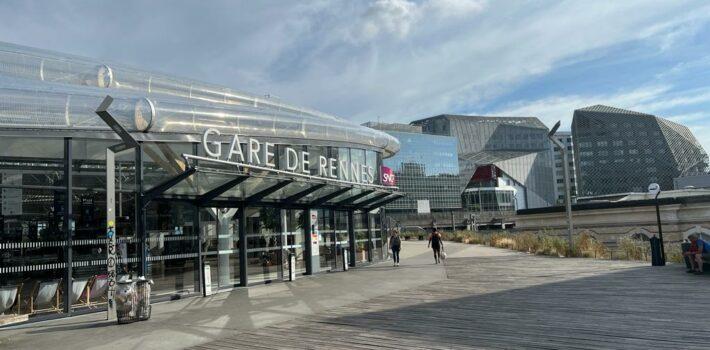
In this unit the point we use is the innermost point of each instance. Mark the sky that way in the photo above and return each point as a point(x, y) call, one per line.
point(402, 60)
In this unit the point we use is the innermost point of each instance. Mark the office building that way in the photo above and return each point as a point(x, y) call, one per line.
point(499, 156)
point(565, 137)
point(618, 151)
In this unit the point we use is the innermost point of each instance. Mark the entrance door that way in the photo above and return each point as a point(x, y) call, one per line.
point(342, 241)
point(292, 223)
point(220, 246)
point(264, 244)
point(326, 240)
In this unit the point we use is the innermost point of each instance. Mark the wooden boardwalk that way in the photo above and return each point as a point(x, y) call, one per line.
point(512, 302)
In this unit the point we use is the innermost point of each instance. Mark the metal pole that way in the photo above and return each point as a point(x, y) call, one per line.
point(660, 230)
point(111, 233)
point(568, 198)
point(140, 218)
point(351, 237)
point(68, 223)
point(243, 279)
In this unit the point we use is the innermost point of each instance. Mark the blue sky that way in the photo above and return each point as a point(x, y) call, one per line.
point(399, 60)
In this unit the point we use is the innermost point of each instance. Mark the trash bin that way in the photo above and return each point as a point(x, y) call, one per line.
point(133, 300)
point(657, 258)
point(143, 307)
point(126, 301)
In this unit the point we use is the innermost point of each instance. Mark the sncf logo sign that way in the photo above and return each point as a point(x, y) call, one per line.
point(387, 176)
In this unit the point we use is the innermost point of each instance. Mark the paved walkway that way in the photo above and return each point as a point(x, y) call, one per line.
point(483, 298)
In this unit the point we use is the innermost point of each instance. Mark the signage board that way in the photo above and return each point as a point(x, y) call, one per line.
point(208, 280)
point(296, 160)
point(315, 234)
point(388, 178)
point(423, 206)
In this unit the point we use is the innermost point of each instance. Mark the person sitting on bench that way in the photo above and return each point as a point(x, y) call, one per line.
point(699, 249)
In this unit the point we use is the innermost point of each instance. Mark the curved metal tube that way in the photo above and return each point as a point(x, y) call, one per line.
point(172, 104)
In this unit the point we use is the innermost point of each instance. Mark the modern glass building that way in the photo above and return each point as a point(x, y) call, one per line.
point(426, 169)
point(181, 173)
point(619, 151)
point(516, 146)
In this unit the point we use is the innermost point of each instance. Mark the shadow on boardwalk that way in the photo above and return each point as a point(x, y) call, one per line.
point(522, 302)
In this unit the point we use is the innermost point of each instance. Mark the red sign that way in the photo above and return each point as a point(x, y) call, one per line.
point(387, 176)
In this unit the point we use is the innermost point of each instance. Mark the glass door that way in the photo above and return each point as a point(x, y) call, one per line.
point(264, 244)
point(342, 241)
point(326, 240)
point(220, 246)
point(293, 238)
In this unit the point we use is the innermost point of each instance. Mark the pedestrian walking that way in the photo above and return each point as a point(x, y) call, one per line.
point(436, 244)
point(395, 246)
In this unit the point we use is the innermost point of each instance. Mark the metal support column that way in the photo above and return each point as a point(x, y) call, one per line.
point(308, 242)
point(197, 231)
point(370, 244)
point(140, 217)
point(351, 237)
point(199, 271)
point(68, 223)
point(243, 280)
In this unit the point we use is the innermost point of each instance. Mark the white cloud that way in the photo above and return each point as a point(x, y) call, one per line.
point(397, 59)
point(396, 17)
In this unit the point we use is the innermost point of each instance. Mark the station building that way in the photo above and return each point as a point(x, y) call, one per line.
point(186, 174)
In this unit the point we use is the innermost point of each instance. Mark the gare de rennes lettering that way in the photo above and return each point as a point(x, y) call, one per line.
point(263, 154)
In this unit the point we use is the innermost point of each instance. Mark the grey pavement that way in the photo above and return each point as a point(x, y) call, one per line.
point(192, 321)
point(481, 298)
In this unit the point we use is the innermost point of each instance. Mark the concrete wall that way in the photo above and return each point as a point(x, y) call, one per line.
point(609, 224)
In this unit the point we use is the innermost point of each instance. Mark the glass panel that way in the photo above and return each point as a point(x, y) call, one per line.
point(326, 239)
point(427, 167)
point(293, 237)
point(162, 161)
point(221, 245)
point(32, 232)
point(341, 235)
point(264, 256)
point(171, 247)
point(362, 242)
point(377, 238)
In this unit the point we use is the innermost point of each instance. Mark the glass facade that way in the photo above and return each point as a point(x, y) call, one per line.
point(426, 168)
point(489, 199)
point(620, 151)
point(180, 205)
point(179, 237)
point(517, 145)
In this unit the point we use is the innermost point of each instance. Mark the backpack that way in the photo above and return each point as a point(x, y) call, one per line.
point(396, 241)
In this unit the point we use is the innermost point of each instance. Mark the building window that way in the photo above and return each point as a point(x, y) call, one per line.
point(618, 143)
point(601, 143)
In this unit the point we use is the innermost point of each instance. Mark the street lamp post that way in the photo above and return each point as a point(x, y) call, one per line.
point(568, 198)
point(655, 189)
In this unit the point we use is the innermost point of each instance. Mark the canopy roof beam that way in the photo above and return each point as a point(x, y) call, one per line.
point(295, 197)
point(385, 202)
point(366, 203)
point(219, 190)
point(166, 185)
point(352, 199)
point(256, 197)
point(322, 200)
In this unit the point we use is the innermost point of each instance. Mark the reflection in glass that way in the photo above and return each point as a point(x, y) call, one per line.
point(426, 168)
point(264, 256)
